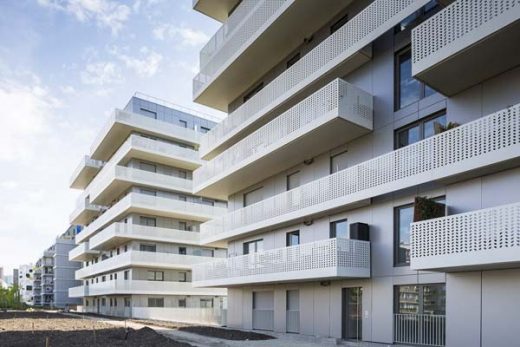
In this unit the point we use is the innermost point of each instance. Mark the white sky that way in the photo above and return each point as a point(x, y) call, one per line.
point(64, 66)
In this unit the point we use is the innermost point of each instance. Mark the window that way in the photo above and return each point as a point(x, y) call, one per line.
point(28, 287)
point(115, 302)
point(148, 192)
point(110, 302)
point(253, 91)
point(338, 162)
point(147, 248)
point(403, 217)
point(148, 113)
point(420, 130)
point(293, 60)
point(182, 302)
point(148, 221)
point(293, 238)
point(127, 302)
point(339, 228)
point(253, 197)
point(155, 302)
point(253, 246)
point(103, 278)
point(204, 129)
point(183, 277)
point(126, 275)
point(208, 202)
point(86, 303)
point(155, 275)
point(147, 167)
point(182, 250)
point(420, 299)
point(182, 174)
point(115, 276)
point(408, 89)
point(206, 303)
point(293, 180)
point(182, 197)
point(111, 277)
point(117, 251)
point(183, 226)
point(338, 24)
point(183, 123)
point(103, 301)
point(126, 248)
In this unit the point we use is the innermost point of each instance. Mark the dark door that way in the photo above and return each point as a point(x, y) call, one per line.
point(352, 313)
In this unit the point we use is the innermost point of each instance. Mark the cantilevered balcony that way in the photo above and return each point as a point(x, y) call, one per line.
point(466, 43)
point(477, 240)
point(134, 258)
point(218, 10)
point(152, 205)
point(115, 180)
point(85, 211)
point(122, 124)
point(339, 54)
point(259, 34)
point(82, 252)
point(480, 147)
point(119, 233)
point(336, 113)
point(127, 287)
point(85, 172)
point(320, 260)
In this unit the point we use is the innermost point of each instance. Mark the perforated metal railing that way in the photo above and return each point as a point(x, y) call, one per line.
point(354, 103)
point(459, 20)
point(494, 132)
point(369, 24)
point(318, 255)
point(243, 22)
point(483, 230)
point(247, 21)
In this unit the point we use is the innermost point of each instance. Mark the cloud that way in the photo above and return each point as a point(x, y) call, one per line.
point(101, 74)
point(186, 36)
point(105, 13)
point(147, 65)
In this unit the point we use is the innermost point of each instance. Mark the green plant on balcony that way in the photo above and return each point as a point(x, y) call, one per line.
point(449, 126)
point(426, 208)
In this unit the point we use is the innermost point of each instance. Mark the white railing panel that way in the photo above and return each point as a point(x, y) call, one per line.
point(495, 132)
point(346, 41)
point(194, 315)
point(420, 329)
point(337, 96)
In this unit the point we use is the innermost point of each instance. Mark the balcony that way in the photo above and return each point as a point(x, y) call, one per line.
point(336, 113)
point(476, 148)
point(115, 180)
point(450, 49)
point(119, 233)
point(134, 258)
point(320, 260)
point(85, 172)
point(478, 240)
point(122, 124)
point(82, 252)
point(152, 205)
point(85, 211)
point(339, 54)
point(122, 287)
point(217, 10)
point(259, 34)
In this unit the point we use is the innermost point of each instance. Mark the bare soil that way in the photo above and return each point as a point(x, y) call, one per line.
point(28, 329)
point(227, 334)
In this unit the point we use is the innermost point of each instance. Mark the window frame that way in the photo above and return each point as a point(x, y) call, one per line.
point(332, 230)
point(288, 179)
point(244, 196)
point(155, 277)
point(288, 237)
point(419, 123)
point(245, 246)
point(143, 246)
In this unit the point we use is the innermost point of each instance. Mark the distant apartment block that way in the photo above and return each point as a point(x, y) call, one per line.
point(26, 279)
point(371, 162)
point(141, 219)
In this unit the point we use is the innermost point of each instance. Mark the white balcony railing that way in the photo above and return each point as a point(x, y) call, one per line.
point(139, 258)
point(84, 207)
point(163, 148)
point(86, 162)
point(420, 329)
point(142, 232)
point(78, 292)
point(192, 315)
point(144, 287)
point(136, 176)
point(478, 238)
point(483, 142)
point(247, 20)
point(336, 257)
point(80, 251)
point(354, 103)
point(373, 21)
point(154, 205)
point(458, 26)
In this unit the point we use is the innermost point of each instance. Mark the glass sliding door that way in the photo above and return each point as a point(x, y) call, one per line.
point(352, 313)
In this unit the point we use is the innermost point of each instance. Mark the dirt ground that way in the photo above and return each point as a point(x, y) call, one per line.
point(28, 329)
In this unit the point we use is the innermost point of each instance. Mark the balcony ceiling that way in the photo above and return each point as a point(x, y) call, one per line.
point(216, 9)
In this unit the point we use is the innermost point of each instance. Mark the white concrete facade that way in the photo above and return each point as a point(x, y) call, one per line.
point(449, 279)
point(136, 251)
point(26, 283)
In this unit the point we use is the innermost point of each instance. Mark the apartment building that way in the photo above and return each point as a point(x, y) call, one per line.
point(141, 221)
point(370, 159)
point(43, 288)
point(26, 282)
point(64, 269)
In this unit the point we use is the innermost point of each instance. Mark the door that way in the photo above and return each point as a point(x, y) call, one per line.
point(263, 310)
point(293, 311)
point(352, 313)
